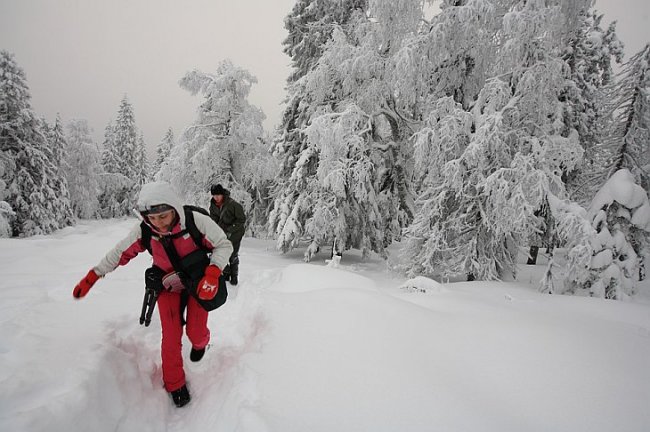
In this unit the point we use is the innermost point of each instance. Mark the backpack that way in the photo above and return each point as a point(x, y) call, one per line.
point(190, 227)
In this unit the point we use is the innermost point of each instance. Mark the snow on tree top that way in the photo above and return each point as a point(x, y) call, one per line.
point(622, 188)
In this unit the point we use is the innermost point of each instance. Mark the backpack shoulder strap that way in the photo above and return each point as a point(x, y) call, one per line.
point(196, 209)
point(190, 225)
point(145, 239)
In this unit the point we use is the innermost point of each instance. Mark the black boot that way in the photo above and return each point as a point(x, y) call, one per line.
point(197, 354)
point(234, 270)
point(181, 397)
point(225, 274)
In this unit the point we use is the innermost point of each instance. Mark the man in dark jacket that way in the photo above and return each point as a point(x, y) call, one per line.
point(230, 216)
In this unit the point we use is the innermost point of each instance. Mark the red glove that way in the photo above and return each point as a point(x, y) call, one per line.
point(85, 284)
point(209, 285)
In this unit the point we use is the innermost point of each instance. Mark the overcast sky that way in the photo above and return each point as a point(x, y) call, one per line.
point(82, 56)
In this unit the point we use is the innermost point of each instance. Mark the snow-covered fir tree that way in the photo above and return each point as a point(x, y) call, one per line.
point(114, 187)
point(57, 144)
point(124, 164)
point(125, 142)
point(310, 24)
point(628, 140)
point(454, 53)
point(35, 192)
point(305, 47)
point(342, 145)
point(55, 149)
point(620, 215)
point(589, 56)
point(110, 158)
point(115, 195)
point(163, 151)
point(83, 169)
point(6, 212)
point(224, 142)
point(141, 163)
point(486, 173)
point(622, 201)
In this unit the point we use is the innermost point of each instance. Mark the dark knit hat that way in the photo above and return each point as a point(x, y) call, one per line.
point(218, 190)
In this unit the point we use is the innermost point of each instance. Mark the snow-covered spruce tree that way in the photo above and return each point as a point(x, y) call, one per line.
point(57, 143)
point(31, 180)
point(82, 165)
point(125, 142)
point(347, 180)
point(114, 186)
point(572, 229)
point(115, 195)
point(163, 151)
point(479, 199)
point(223, 141)
point(628, 140)
point(589, 57)
point(110, 158)
point(6, 213)
point(258, 176)
point(620, 215)
point(141, 163)
point(310, 25)
point(454, 54)
point(55, 148)
point(627, 145)
point(448, 61)
point(123, 164)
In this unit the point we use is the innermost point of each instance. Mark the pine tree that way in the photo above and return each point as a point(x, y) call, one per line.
point(7, 214)
point(453, 55)
point(110, 157)
point(124, 164)
point(35, 192)
point(83, 168)
point(141, 163)
point(628, 141)
point(627, 148)
point(343, 173)
point(503, 163)
point(57, 145)
point(225, 138)
point(589, 57)
point(125, 141)
point(310, 24)
point(163, 151)
point(620, 215)
point(114, 187)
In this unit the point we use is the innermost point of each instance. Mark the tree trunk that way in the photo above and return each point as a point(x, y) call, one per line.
point(532, 255)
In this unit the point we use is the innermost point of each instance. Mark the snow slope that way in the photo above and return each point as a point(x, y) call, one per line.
point(312, 347)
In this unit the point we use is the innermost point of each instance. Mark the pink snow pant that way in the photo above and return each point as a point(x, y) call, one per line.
point(172, 333)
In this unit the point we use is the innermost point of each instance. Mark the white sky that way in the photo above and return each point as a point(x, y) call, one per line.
point(82, 56)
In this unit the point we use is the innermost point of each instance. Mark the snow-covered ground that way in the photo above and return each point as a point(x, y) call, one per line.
point(312, 347)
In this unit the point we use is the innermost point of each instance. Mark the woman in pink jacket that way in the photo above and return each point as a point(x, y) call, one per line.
point(162, 211)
